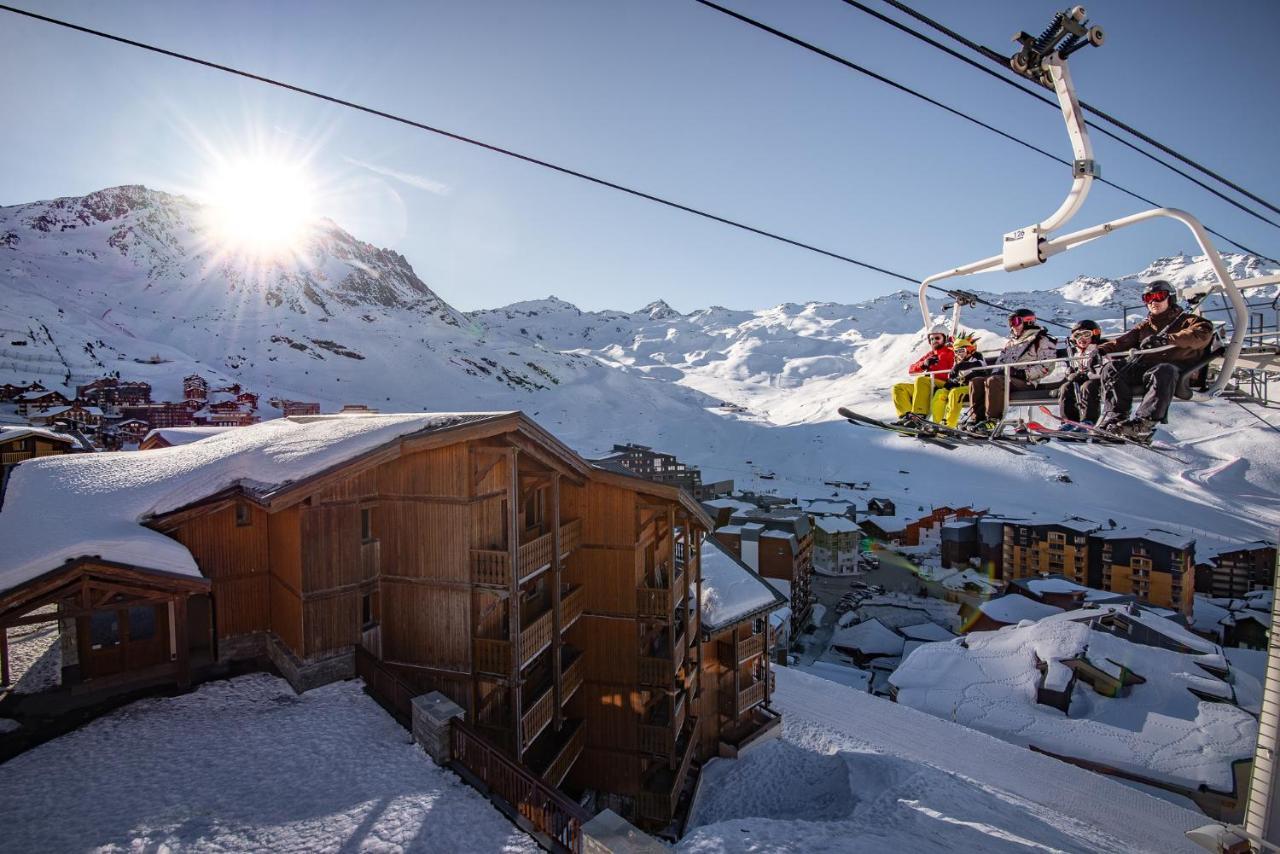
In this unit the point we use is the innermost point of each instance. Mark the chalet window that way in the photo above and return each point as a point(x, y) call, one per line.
point(142, 623)
point(366, 524)
point(366, 611)
point(243, 517)
point(104, 629)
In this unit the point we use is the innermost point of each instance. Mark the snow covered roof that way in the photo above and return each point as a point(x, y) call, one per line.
point(836, 524)
point(1014, 608)
point(1158, 729)
point(1155, 535)
point(9, 434)
point(93, 504)
point(1208, 551)
point(730, 590)
point(892, 523)
point(54, 411)
point(842, 674)
point(728, 503)
point(870, 637)
point(926, 632)
point(186, 435)
point(781, 585)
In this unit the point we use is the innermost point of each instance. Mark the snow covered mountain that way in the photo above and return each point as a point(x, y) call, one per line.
point(129, 279)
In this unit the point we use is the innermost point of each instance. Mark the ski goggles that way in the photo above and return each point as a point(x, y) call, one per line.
point(1155, 296)
point(1082, 335)
point(1017, 320)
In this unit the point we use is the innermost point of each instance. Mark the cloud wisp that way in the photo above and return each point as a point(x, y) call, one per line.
point(421, 182)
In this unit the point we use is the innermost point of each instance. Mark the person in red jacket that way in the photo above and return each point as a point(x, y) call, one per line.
point(912, 400)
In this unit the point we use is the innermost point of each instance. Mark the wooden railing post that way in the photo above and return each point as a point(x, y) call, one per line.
point(513, 601)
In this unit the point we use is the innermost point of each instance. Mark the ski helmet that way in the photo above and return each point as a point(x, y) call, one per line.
point(966, 341)
point(940, 329)
point(1158, 288)
point(1022, 317)
point(1087, 326)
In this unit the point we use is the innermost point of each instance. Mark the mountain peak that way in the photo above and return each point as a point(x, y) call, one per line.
point(659, 310)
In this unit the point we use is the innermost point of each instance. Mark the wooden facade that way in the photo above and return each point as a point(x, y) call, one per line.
point(554, 601)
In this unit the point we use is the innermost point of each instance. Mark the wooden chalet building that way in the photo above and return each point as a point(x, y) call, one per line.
point(81, 415)
point(18, 443)
point(39, 400)
point(10, 391)
point(471, 554)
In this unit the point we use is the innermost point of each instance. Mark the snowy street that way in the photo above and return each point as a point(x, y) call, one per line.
point(245, 765)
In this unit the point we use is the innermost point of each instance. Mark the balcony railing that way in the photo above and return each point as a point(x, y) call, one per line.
point(535, 554)
point(492, 656)
point(660, 672)
point(490, 567)
point(571, 675)
point(735, 705)
point(536, 636)
point(750, 647)
point(661, 793)
point(571, 604)
point(538, 716)
point(563, 761)
point(653, 602)
point(570, 536)
point(659, 740)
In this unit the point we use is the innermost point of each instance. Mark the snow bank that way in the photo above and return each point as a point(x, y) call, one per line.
point(1015, 607)
point(1158, 728)
point(856, 773)
point(245, 765)
point(92, 504)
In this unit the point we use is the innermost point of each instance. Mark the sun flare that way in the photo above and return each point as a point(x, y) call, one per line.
point(261, 206)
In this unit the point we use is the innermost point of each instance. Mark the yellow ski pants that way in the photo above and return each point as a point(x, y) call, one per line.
point(914, 396)
point(949, 404)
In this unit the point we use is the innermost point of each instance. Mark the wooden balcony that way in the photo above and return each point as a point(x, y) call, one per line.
point(564, 759)
point(658, 672)
point(750, 648)
point(744, 701)
point(490, 567)
point(653, 602)
point(538, 715)
point(536, 636)
point(660, 794)
point(658, 734)
point(535, 555)
point(571, 604)
point(492, 656)
point(570, 537)
point(571, 672)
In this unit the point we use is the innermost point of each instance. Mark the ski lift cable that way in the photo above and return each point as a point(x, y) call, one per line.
point(969, 296)
point(826, 54)
point(1003, 62)
point(564, 170)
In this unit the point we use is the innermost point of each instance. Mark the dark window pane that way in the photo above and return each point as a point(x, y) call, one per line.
point(142, 623)
point(104, 629)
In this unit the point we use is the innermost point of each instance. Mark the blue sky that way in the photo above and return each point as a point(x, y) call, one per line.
point(669, 97)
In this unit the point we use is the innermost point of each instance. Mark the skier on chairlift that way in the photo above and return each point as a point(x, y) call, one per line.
point(1154, 374)
point(1080, 395)
point(949, 400)
point(1027, 342)
point(912, 400)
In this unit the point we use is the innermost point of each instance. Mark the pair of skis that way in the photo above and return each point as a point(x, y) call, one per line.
point(937, 434)
point(1089, 432)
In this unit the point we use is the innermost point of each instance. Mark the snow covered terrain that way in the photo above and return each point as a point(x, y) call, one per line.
point(245, 765)
point(108, 281)
point(1157, 728)
point(853, 772)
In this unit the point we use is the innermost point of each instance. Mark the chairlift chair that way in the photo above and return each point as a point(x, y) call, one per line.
point(1043, 59)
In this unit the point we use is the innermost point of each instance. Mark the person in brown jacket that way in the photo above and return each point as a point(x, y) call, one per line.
point(1185, 335)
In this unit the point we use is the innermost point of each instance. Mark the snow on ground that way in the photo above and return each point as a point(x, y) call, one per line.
point(853, 772)
point(35, 657)
point(245, 765)
point(1157, 728)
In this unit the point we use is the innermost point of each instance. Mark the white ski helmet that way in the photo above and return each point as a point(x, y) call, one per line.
point(941, 329)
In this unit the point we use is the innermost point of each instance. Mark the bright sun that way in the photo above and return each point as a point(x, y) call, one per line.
point(261, 206)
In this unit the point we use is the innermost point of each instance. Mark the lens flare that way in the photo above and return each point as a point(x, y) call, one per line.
point(263, 207)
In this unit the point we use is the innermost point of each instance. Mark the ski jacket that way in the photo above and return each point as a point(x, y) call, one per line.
point(1032, 344)
point(1187, 333)
point(937, 361)
point(962, 371)
point(1087, 361)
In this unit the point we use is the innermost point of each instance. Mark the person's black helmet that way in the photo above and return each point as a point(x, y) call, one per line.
point(1160, 286)
point(1087, 324)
